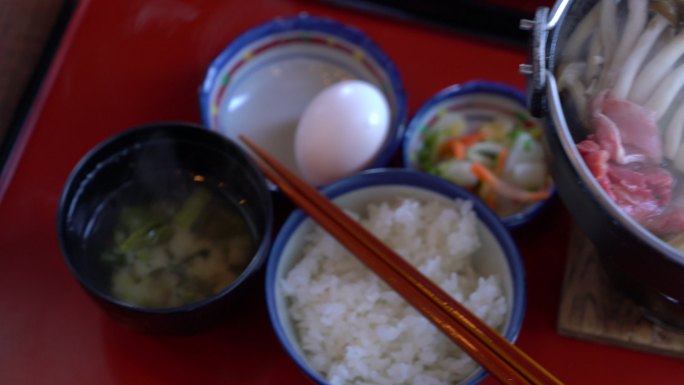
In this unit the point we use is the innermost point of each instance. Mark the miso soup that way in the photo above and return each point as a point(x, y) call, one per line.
point(170, 242)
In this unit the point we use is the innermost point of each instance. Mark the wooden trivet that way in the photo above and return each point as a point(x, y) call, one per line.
point(591, 309)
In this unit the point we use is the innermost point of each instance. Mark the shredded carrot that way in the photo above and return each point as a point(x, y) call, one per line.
point(459, 150)
point(489, 196)
point(472, 138)
point(501, 162)
point(464, 141)
point(505, 189)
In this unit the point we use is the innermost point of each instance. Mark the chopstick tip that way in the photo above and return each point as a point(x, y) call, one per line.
point(249, 143)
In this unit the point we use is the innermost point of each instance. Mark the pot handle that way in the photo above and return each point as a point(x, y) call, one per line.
point(535, 69)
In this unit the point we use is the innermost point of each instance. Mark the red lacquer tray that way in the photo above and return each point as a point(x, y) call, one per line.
point(124, 63)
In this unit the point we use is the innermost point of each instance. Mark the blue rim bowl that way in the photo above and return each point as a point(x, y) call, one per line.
point(247, 88)
point(424, 185)
point(451, 96)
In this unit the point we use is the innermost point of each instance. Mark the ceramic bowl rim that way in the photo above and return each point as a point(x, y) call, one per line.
point(464, 89)
point(394, 176)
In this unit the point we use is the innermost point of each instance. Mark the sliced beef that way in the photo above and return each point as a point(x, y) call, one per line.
point(668, 222)
point(642, 190)
point(596, 158)
point(627, 131)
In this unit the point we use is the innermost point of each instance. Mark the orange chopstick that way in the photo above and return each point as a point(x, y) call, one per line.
point(502, 359)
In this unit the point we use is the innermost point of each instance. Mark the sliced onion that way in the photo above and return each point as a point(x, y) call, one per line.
point(458, 171)
point(529, 175)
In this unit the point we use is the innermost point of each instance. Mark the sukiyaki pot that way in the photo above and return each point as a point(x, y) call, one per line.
point(613, 91)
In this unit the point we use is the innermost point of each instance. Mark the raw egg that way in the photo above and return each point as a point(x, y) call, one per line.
point(341, 131)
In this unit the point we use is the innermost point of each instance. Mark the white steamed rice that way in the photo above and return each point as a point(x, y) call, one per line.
point(354, 329)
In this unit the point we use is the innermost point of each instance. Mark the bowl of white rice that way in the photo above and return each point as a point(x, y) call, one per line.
point(342, 325)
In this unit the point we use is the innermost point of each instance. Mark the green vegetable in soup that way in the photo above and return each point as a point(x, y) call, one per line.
point(169, 253)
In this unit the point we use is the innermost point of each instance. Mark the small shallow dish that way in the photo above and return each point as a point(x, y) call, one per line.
point(465, 109)
point(146, 165)
point(260, 85)
point(497, 254)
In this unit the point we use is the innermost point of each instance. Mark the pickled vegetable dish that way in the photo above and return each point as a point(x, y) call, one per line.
point(500, 159)
point(175, 250)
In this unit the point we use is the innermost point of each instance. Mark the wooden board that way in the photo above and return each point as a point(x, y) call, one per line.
point(591, 309)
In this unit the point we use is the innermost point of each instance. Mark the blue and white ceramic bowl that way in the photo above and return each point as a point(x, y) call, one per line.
point(477, 102)
point(498, 254)
point(260, 85)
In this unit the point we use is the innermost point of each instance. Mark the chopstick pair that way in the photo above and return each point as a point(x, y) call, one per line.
point(502, 359)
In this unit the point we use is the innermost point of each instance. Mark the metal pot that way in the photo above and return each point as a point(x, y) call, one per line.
point(641, 265)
